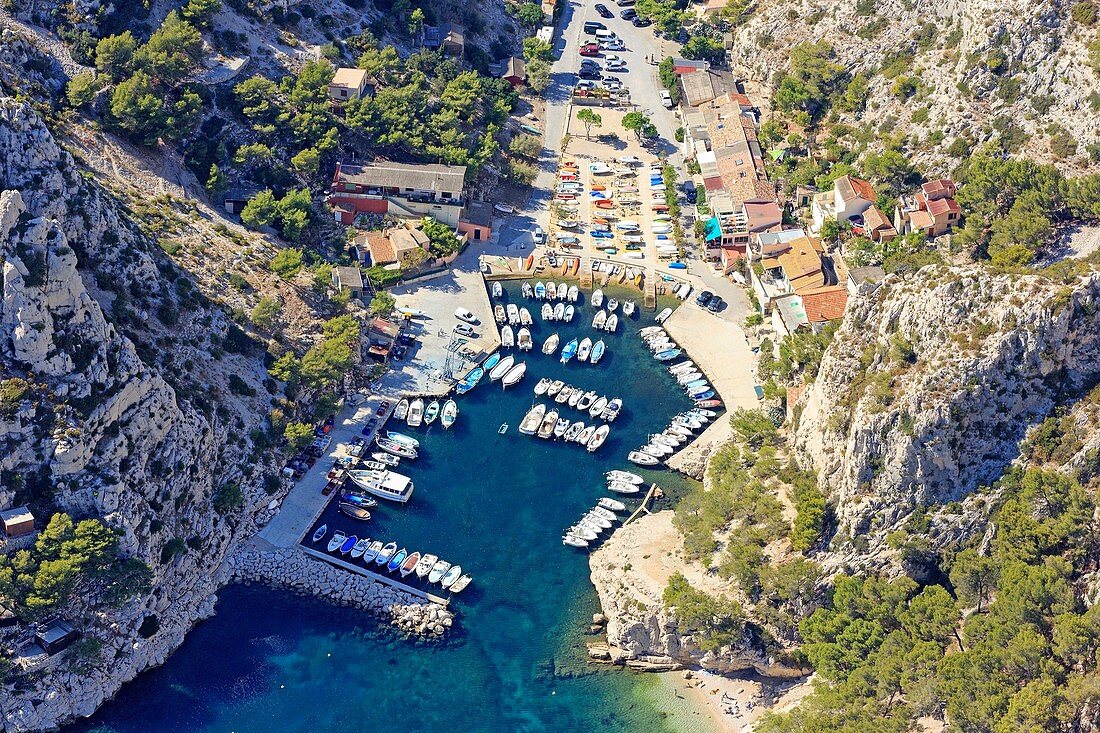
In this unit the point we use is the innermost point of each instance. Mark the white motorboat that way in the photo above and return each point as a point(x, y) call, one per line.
point(586, 400)
point(523, 340)
point(573, 293)
point(551, 344)
point(402, 410)
point(583, 532)
point(450, 414)
point(599, 320)
point(416, 413)
point(663, 439)
point(548, 423)
point(598, 350)
point(597, 407)
point(431, 412)
point(620, 487)
point(542, 386)
point(683, 366)
point(612, 323)
point(551, 291)
point(597, 298)
point(586, 435)
point(642, 459)
point(628, 308)
point(584, 349)
point(337, 540)
point(438, 571)
point(647, 330)
point(498, 290)
point(384, 484)
point(573, 431)
point(612, 504)
point(427, 562)
point(559, 312)
point(547, 312)
point(570, 311)
point(386, 458)
point(687, 422)
point(596, 519)
point(555, 387)
point(663, 315)
point(598, 438)
point(624, 476)
point(514, 375)
point(611, 412)
point(502, 367)
point(526, 290)
point(461, 583)
point(605, 513)
point(513, 314)
point(657, 449)
point(688, 377)
point(612, 304)
point(564, 395)
point(575, 397)
point(498, 314)
point(525, 317)
point(372, 552)
point(560, 428)
point(507, 337)
point(680, 430)
point(574, 541)
point(704, 412)
point(453, 573)
point(532, 420)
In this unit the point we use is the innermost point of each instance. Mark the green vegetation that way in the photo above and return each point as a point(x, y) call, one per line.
point(718, 622)
point(640, 124)
point(382, 304)
point(13, 391)
point(443, 239)
point(298, 435)
point(799, 356)
point(287, 263)
point(589, 119)
point(266, 314)
point(228, 498)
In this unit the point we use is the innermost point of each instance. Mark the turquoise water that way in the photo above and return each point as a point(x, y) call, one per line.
point(496, 504)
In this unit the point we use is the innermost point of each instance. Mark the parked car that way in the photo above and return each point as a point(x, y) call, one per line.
point(590, 64)
point(585, 85)
point(612, 85)
point(591, 26)
point(589, 73)
point(641, 22)
point(666, 99)
point(715, 304)
point(464, 315)
point(603, 11)
point(539, 235)
point(616, 66)
point(613, 45)
point(629, 14)
point(463, 330)
point(703, 298)
point(590, 49)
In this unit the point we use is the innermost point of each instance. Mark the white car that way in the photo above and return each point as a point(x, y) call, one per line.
point(463, 330)
point(464, 315)
point(613, 45)
point(585, 84)
point(539, 235)
point(615, 66)
point(612, 85)
point(666, 99)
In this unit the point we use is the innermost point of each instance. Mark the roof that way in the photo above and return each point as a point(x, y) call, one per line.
point(379, 246)
point(55, 631)
point(679, 63)
point(921, 219)
point(700, 88)
point(802, 264)
point(423, 177)
point(825, 304)
point(851, 187)
point(867, 274)
point(403, 240)
point(762, 214)
point(349, 277)
point(942, 206)
point(388, 328)
point(345, 77)
point(785, 236)
point(939, 188)
point(16, 515)
point(513, 66)
point(791, 311)
point(478, 213)
point(875, 219)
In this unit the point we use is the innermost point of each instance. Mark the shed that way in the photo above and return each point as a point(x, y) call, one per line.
point(350, 278)
point(17, 521)
point(55, 636)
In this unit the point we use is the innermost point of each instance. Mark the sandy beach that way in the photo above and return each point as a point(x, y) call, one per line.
point(727, 704)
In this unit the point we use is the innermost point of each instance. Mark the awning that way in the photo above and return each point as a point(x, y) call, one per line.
point(713, 230)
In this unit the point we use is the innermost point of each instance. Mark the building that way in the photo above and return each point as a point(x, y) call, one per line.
point(789, 266)
point(348, 278)
point(381, 333)
point(876, 226)
point(932, 211)
point(858, 276)
point(398, 189)
point(392, 248)
point(447, 38)
point(348, 84)
point(803, 195)
point(237, 198)
point(17, 522)
point(476, 221)
point(850, 196)
point(812, 309)
point(688, 66)
point(55, 636)
point(709, 85)
point(512, 70)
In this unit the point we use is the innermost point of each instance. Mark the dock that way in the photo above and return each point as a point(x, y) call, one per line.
point(654, 491)
point(360, 570)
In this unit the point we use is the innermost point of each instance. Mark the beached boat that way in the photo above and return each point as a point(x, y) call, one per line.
point(348, 509)
point(540, 290)
point(565, 394)
point(523, 340)
point(525, 317)
point(359, 548)
point(513, 314)
point(425, 565)
point(663, 315)
point(548, 423)
point(449, 414)
point(460, 585)
point(397, 560)
point(416, 413)
point(597, 407)
point(642, 459)
point(438, 571)
point(597, 352)
point(584, 349)
point(320, 532)
point(667, 354)
point(526, 290)
point(349, 543)
point(498, 289)
point(547, 312)
point(470, 380)
point(559, 312)
point(551, 344)
point(612, 323)
point(598, 438)
point(555, 387)
point(560, 427)
point(624, 476)
point(597, 298)
point(573, 293)
point(611, 504)
point(542, 386)
point(502, 368)
point(372, 552)
point(599, 320)
point(514, 375)
point(402, 410)
point(569, 312)
point(569, 351)
point(503, 209)
point(431, 412)
point(532, 420)
point(507, 337)
point(620, 487)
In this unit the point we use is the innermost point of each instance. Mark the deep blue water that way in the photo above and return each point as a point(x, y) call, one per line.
point(497, 504)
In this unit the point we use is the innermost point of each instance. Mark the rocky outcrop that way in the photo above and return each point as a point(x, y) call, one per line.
point(930, 384)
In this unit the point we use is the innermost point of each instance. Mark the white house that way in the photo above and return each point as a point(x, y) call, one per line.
point(850, 196)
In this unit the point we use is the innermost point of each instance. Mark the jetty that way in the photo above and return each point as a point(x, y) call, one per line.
point(653, 493)
point(360, 570)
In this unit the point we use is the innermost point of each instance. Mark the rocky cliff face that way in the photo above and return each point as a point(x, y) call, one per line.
point(931, 383)
point(1038, 55)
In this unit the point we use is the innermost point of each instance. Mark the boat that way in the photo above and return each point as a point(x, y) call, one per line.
point(498, 290)
point(570, 311)
point(624, 476)
point(668, 354)
point(551, 291)
point(575, 397)
point(491, 361)
point(514, 375)
point(397, 560)
point(358, 498)
point(438, 570)
point(680, 430)
point(657, 449)
point(402, 439)
point(507, 338)
point(597, 352)
point(688, 377)
point(628, 308)
point(560, 427)
point(573, 293)
point(320, 532)
point(672, 441)
point(555, 387)
point(432, 412)
point(612, 305)
point(597, 298)
point(470, 380)
point(523, 340)
point(620, 487)
point(385, 485)
point(642, 459)
point(586, 400)
point(410, 564)
point(513, 314)
point(416, 413)
point(709, 403)
point(704, 413)
point(547, 312)
point(586, 435)
point(599, 320)
point(559, 312)
point(450, 414)
point(498, 314)
point(601, 517)
point(540, 290)
point(424, 566)
point(663, 315)
point(704, 397)
point(611, 504)
point(565, 393)
point(542, 386)
point(532, 420)
point(526, 290)
point(573, 431)
point(396, 449)
point(460, 584)
point(574, 541)
point(598, 438)
point(688, 422)
point(502, 368)
point(386, 458)
point(597, 407)
point(372, 552)
point(580, 532)
point(696, 384)
point(385, 553)
point(649, 330)
point(359, 548)
point(349, 543)
point(551, 344)
point(525, 317)
point(350, 509)
point(503, 209)
point(402, 410)
point(682, 366)
point(569, 351)
point(612, 323)
point(584, 349)
point(548, 423)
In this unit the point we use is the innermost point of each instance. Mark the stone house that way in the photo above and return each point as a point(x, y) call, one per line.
point(876, 226)
point(17, 522)
point(55, 636)
point(348, 84)
point(348, 278)
point(931, 211)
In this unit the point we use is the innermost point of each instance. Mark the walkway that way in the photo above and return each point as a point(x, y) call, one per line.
point(360, 570)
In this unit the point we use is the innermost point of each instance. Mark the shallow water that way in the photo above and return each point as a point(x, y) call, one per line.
point(496, 504)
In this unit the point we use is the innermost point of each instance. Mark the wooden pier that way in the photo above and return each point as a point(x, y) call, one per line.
point(654, 491)
point(374, 576)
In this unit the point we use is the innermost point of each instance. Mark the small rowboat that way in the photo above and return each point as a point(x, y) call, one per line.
point(598, 187)
point(504, 208)
point(604, 204)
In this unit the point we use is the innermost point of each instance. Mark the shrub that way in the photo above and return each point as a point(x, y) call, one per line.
point(287, 263)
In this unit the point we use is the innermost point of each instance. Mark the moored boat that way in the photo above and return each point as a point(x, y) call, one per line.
point(551, 344)
point(525, 289)
point(551, 291)
point(612, 304)
point(397, 449)
point(540, 290)
point(555, 387)
point(386, 458)
point(514, 375)
point(559, 312)
point(498, 289)
point(597, 298)
point(584, 349)
point(565, 394)
point(425, 564)
point(532, 420)
point(599, 320)
point(431, 412)
point(502, 367)
point(542, 386)
point(586, 435)
point(523, 340)
point(402, 438)
point(438, 570)
point(397, 560)
point(402, 410)
point(513, 314)
point(621, 487)
point(611, 412)
point(668, 354)
point(612, 323)
point(597, 407)
point(547, 312)
point(548, 423)
point(586, 400)
point(349, 509)
point(490, 361)
point(450, 414)
point(385, 553)
point(573, 431)
point(642, 459)
point(372, 552)
point(570, 311)
point(569, 351)
point(611, 504)
point(507, 338)
point(573, 293)
point(470, 380)
point(573, 540)
point(560, 427)
point(597, 352)
point(525, 317)
point(575, 397)
point(388, 485)
point(416, 413)
point(628, 308)
point(349, 543)
point(320, 532)
point(410, 563)
point(624, 476)
point(460, 584)
point(598, 438)
point(337, 541)
point(359, 548)
point(498, 314)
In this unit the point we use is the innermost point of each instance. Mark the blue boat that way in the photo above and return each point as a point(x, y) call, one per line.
point(668, 354)
point(540, 290)
point(696, 383)
point(470, 380)
point(491, 361)
point(396, 560)
point(598, 234)
point(698, 392)
point(704, 396)
point(677, 266)
point(348, 544)
point(569, 351)
point(358, 500)
point(597, 352)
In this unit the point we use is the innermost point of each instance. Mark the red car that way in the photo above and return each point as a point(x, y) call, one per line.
point(590, 49)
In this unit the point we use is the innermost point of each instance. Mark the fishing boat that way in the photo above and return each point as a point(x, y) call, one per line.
point(548, 423)
point(513, 314)
point(349, 543)
point(642, 459)
point(385, 485)
point(612, 304)
point(416, 413)
point(525, 317)
point(551, 291)
point(704, 397)
point(598, 438)
point(569, 312)
point(628, 308)
point(372, 552)
point(555, 387)
point(450, 414)
point(470, 380)
point(559, 312)
point(491, 361)
point(597, 352)
point(573, 431)
point(498, 314)
point(320, 532)
point(542, 386)
point(575, 397)
point(514, 375)
point(397, 560)
point(498, 290)
point(410, 564)
point(438, 570)
point(565, 394)
point(402, 438)
point(597, 298)
point(624, 476)
point(560, 427)
point(402, 410)
point(551, 344)
point(612, 323)
point(507, 338)
point(709, 403)
point(584, 349)
point(620, 487)
point(547, 312)
point(385, 458)
point(502, 368)
point(573, 293)
point(663, 315)
point(385, 553)
point(585, 400)
point(668, 354)
point(359, 548)
point(432, 412)
point(395, 448)
point(597, 407)
point(611, 505)
point(532, 420)
point(569, 351)
point(425, 564)
point(540, 290)
point(586, 435)
point(358, 498)
point(696, 384)
point(526, 290)
point(599, 320)
point(348, 509)
point(460, 584)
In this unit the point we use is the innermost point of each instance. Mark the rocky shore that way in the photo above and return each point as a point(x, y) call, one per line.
point(291, 569)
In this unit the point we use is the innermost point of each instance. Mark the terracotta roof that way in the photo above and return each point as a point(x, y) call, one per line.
point(942, 206)
point(939, 188)
point(762, 214)
point(921, 219)
point(387, 328)
point(793, 393)
point(875, 219)
point(851, 187)
point(380, 248)
point(825, 304)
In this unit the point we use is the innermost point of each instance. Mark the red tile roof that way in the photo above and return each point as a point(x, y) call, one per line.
point(942, 206)
point(862, 188)
point(825, 304)
point(875, 219)
point(939, 188)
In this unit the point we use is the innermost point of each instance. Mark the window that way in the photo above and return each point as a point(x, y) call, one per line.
point(447, 195)
point(951, 216)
